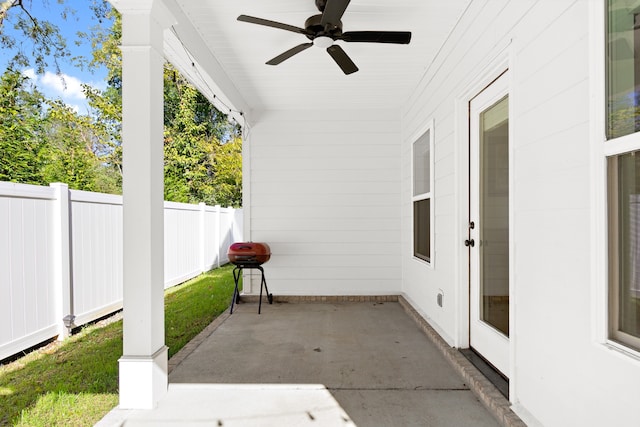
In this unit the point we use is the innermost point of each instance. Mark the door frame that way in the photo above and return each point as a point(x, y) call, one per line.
point(501, 64)
point(489, 343)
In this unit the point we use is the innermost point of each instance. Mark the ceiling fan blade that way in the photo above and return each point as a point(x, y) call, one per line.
point(272, 24)
point(288, 54)
point(398, 37)
point(342, 59)
point(333, 11)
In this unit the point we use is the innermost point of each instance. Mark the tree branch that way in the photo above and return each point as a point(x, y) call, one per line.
point(19, 3)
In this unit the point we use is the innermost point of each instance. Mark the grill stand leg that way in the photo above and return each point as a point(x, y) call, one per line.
point(263, 284)
point(236, 293)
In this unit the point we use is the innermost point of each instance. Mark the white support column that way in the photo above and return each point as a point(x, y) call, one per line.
point(143, 366)
point(62, 260)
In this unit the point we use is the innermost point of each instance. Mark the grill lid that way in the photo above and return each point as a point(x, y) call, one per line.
point(249, 253)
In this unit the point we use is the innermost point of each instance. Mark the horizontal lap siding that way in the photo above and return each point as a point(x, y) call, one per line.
point(325, 195)
point(562, 376)
point(553, 198)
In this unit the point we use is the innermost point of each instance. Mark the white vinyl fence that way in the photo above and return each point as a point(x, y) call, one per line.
point(61, 256)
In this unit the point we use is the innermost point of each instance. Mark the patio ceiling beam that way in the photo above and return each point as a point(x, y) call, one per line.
point(200, 66)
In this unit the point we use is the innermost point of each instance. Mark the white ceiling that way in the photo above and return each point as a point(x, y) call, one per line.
point(234, 53)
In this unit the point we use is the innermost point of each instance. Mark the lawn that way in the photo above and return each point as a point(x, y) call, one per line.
point(75, 382)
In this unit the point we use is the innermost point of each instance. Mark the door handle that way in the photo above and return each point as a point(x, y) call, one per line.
point(469, 242)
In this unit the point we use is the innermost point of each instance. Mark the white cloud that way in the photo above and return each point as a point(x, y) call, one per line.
point(66, 86)
point(30, 73)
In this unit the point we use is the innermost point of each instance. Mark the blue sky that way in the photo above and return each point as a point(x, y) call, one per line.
point(68, 88)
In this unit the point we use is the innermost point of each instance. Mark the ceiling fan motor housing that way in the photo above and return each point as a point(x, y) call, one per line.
point(326, 28)
point(314, 25)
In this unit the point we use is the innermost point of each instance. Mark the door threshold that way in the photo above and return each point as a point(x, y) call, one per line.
point(486, 369)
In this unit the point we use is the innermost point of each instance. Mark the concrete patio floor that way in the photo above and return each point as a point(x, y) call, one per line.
point(322, 364)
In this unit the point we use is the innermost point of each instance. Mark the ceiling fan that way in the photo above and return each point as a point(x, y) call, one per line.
point(324, 29)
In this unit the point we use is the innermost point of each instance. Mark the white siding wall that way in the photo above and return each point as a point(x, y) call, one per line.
point(562, 375)
point(324, 188)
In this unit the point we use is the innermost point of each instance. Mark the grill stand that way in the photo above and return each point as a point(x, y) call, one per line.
point(263, 283)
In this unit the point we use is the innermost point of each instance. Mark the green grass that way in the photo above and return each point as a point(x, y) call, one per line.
point(75, 382)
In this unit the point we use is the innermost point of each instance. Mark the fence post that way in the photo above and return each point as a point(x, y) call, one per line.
point(203, 237)
point(219, 235)
point(62, 259)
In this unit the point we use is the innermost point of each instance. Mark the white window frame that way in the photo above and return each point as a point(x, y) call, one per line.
point(602, 149)
point(429, 127)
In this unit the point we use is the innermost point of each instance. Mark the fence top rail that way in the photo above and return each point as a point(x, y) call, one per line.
point(29, 191)
point(26, 191)
point(198, 207)
point(181, 206)
point(99, 198)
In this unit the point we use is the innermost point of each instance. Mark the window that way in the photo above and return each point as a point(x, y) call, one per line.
point(623, 68)
point(422, 196)
point(623, 169)
point(624, 248)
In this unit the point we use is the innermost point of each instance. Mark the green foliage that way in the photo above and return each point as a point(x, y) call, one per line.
point(42, 383)
point(75, 383)
point(43, 141)
point(190, 307)
point(198, 166)
point(73, 154)
point(21, 126)
point(194, 129)
point(227, 179)
point(41, 39)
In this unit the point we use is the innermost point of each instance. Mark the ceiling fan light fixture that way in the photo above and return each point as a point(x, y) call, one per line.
point(323, 42)
point(324, 29)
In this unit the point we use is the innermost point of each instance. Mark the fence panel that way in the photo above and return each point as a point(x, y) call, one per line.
point(61, 256)
point(27, 282)
point(181, 242)
point(96, 230)
point(226, 233)
point(210, 247)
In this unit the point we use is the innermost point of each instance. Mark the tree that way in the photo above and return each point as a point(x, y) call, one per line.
point(21, 112)
point(74, 152)
point(202, 148)
point(107, 104)
point(43, 140)
point(198, 167)
point(227, 178)
point(38, 40)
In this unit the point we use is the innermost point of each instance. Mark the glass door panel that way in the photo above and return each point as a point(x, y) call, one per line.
point(494, 215)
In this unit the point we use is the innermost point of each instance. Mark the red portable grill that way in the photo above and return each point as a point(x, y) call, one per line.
point(249, 255)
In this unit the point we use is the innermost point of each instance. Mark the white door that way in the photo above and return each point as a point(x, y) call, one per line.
point(488, 239)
